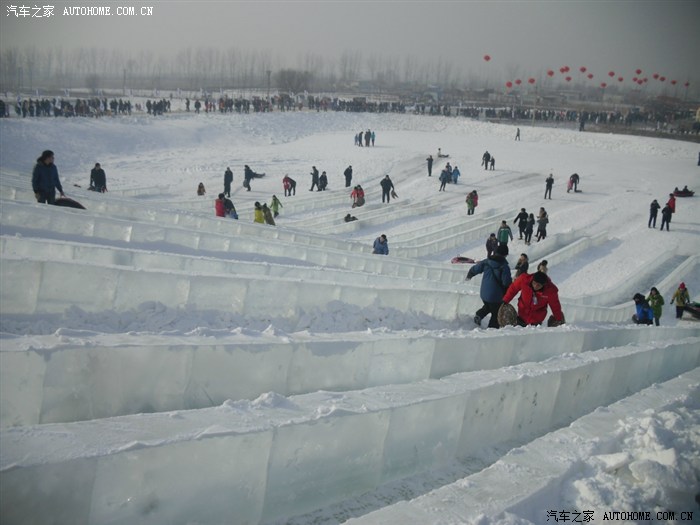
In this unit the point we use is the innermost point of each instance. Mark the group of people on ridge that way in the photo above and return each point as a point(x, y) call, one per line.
point(666, 213)
point(648, 309)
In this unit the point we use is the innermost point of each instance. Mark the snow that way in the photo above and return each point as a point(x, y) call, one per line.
point(162, 365)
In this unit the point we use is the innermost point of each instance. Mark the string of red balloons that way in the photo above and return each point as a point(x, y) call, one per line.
point(583, 69)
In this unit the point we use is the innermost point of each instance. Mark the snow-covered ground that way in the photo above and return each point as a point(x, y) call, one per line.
point(162, 365)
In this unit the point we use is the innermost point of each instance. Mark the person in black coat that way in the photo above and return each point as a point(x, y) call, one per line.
point(314, 179)
point(549, 182)
point(45, 179)
point(387, 186)
point(98, 179)
point(521, 219)
point(430, 165)
point(348, 176)
point(228, 179)
point(666, 215)
point(653, 211)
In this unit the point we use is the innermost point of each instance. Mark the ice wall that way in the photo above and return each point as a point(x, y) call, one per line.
point(280, 456)
point(73, 383)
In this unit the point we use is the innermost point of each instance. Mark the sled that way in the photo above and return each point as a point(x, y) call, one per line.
point(258, 175)
point(507, 316)
point(68, 203)
point(694, 310)
point(462, 260)
point(681, 193)
point(394, 195)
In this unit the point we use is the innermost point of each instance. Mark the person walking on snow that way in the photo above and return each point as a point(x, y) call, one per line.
point(430, 165)
point(653, 211)
point(289, 185)
point(549, 182)
point(666, 214)
point(387, 186)
point(444, 176)
point(258, 215)
point(275, 206)
point(491, 245)
point(348, 176)
point(517, 134)
point(314, 179)
point(681, 297)
point(529, 227)
point(485, 160)
point(494, 283)
point(504, 233)
point(521, 220)
point(672, 202)
point(228, 180)
point(455, 174)
point(656, 301)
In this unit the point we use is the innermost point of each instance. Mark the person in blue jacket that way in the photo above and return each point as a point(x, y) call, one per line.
point(45, 179)
point(381, 246)
point(494, 284)
point(644, 315)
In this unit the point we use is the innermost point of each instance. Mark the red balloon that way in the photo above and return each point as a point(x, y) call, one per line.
point(611, 74)
point(590, 75)
point(518, 81)
point(655, 76)
point(532, 80)
point(673, 82)
point(639, 71)
point(509, 84)
point(686, 84)
point(582, 69)
point(603, 85)
point(662, 79)
point(640, 82)
point(550, 73)
point(568, 79)
point(634, 79)
point(487, 57)
point(620, 79)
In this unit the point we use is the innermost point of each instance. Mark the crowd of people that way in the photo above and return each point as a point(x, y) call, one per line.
point(536, 292)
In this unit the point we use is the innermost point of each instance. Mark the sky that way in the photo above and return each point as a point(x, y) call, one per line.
point(525, 37)
point(222, 329)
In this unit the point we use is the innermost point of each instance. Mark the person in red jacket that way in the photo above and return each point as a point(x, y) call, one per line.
point(537, 293)
point(219, 207)
point(672, 202)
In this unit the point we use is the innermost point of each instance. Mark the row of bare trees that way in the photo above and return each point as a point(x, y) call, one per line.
point(209, 68)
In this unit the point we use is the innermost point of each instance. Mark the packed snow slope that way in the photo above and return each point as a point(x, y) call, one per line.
point(161, 365)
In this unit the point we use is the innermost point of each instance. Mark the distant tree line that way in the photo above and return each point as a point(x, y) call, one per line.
point(209, 68)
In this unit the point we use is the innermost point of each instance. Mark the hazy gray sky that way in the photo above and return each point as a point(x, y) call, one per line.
point(655, 36)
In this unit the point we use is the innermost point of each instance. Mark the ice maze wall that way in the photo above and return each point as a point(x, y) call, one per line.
point(252, 462)
point(74, 383)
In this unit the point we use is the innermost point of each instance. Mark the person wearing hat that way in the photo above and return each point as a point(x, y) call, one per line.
point(681, 297)
point(644, 314)
point(45, 179)
point(537, 294)
point(258, 214)
point(348, 176)
point(495, 281)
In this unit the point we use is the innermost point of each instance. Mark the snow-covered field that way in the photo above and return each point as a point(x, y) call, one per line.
point(161, 365)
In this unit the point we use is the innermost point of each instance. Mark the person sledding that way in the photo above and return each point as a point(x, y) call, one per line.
point(537, 294)
point(644, 314)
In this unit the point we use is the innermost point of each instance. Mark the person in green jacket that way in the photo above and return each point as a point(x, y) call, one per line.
point(656, 301)
point(275, 206)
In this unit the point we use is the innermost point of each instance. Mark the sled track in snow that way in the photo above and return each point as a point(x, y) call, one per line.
point(281, 429)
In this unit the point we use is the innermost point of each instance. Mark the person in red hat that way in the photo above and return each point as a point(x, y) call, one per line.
point(680, 298)
point(537, 294)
